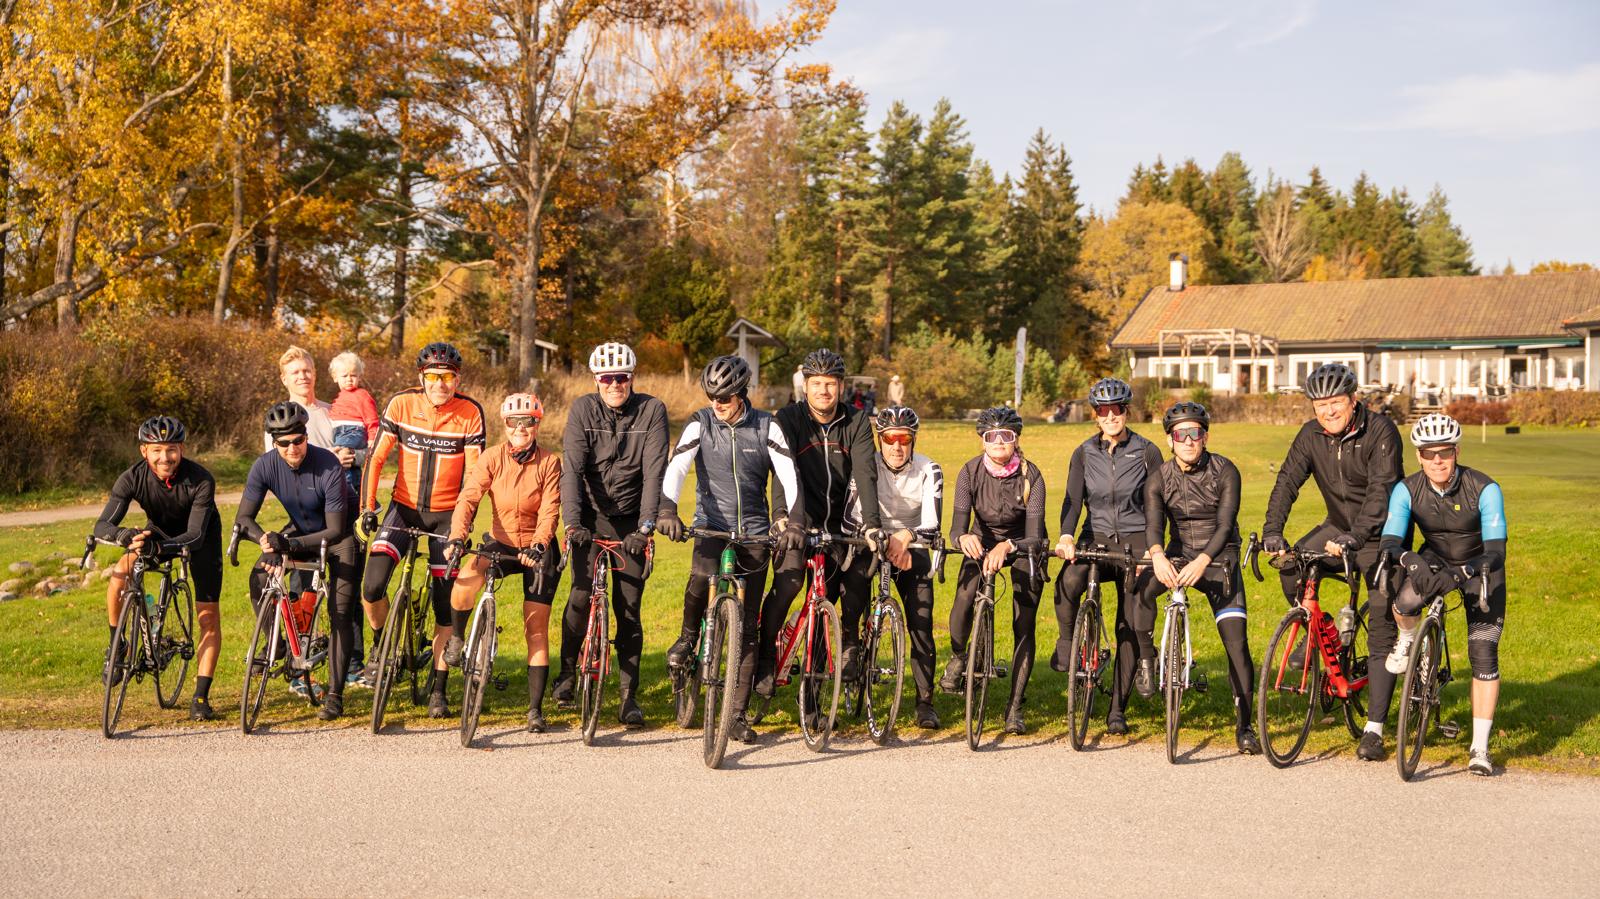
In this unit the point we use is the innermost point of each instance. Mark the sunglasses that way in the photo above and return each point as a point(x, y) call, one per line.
point(1000, 435)
point(1448, 452)
point(724, 399)
point(521, 421)
point(292, 441)
point(1110, 409)
point(614, 379)
point(1188, 435)
point(439, 377)
point(898, 438)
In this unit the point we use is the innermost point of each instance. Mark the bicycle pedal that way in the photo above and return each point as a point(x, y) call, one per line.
point(499, 683)
point(1198, 682)
point(1000, 669)
point(1450, 729)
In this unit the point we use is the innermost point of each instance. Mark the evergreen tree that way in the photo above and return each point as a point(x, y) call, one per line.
point(1445, 250)
point(1045, 229)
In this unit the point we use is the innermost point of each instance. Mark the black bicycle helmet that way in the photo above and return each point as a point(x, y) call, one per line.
point(823, 362)
point(439, 355)
point(999, 418)
point(1182, 412)
point(1109, 391)
point(287, 417)
point(725, 376)
point(1330, 379)
point(891, 418)
point(161, 429)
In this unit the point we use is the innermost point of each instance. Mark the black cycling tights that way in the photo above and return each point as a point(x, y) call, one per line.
point(1025, 590)
point(751, 564)
point(627, 588)
point(915, 586)
point(344, 573)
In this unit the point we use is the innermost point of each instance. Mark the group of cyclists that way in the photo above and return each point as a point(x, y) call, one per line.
point(820, 465)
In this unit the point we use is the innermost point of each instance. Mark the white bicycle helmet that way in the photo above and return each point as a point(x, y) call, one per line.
point(522, 404)
point(1433, 429)
point(611, 358)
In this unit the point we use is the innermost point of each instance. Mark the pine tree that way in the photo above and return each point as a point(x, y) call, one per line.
point(1045, 228)
point(1445, 250)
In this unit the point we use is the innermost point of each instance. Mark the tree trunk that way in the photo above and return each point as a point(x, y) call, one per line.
point(219, 301)
point(270, 275)
point(5, 239)
point(402, 241)
point(888, 311)
point(66, 257)
point(528, 299)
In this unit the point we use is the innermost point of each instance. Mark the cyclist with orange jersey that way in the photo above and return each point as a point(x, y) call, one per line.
point(439, 434)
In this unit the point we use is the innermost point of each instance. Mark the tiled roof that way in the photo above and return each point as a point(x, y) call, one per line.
point(1392, 309)
point(1590, 316)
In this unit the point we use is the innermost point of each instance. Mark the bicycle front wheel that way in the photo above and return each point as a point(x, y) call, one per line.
point(258, 660)
point(121, 661)
point(1087, 668)
point(1353, 659)
point(1174, 671)
point(820, 677)
point(1420, 695)
point(1287, 688)
point(174, 641)
point(592, 667)
point(389, 652)
point(980, 662)
point(476, 665)
point(418, 644)
point(883, 671)
point(719, 669)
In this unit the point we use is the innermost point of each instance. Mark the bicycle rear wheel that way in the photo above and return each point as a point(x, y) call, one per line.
point(1353, 659)
point(1174, 671)
point(258, 660)
point(819, 677)
point(980, 662)
point(720, 668)
point(121, 661)
point(174, 640)
point(686, 691)
point(1419, 696)
point(1286, 697)
point(1086, 671)
point(592, 666)
point(476, 665)
point(389, 652)
point(883, 671)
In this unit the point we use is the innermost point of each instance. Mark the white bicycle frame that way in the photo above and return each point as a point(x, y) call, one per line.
point(1179, 600)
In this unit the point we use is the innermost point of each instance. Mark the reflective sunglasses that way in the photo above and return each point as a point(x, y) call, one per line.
point(1447, 452)
point(1188, 435)
point(1000, 435)
point(292, 441)
point(724, 399)
point(898, 438)
point(1110, 409)
point(439, 377)
point(613, 379)
point(521, 421)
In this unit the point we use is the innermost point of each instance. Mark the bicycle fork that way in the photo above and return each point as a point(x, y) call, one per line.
point(1177, 605)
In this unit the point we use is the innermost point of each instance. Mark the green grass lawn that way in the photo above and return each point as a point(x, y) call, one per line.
point(1549, 715)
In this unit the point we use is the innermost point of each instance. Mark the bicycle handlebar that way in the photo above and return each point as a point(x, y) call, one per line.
point(1293, 557)
point(149, 551)
point(740, 539)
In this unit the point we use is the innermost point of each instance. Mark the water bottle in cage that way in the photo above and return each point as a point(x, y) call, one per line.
point(1347, 625)
point(304, 607)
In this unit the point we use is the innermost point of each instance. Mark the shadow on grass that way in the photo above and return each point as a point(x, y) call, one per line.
point(1537, 717)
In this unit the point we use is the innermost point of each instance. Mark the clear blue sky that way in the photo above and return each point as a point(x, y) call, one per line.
point(1497, 102)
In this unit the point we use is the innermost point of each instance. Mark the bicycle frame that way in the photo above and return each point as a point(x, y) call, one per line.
point(806, 617)
point(599, 594)
point(1177, 604)
point(172, 571)
point(1334, 682)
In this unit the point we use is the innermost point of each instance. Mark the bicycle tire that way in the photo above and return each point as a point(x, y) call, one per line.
point(417, 638)
point(260, 650)
point(122, 657)
point(1174, 673)
point(476, 664)
point(818, 686)
point(1354, 660)
point(389, 654)
point(1084, 671)
point(1419, 696)
point(1284, 731)
point(179, 617)
point(721, 669)
point(592, 666)
point(686, 691)
point(980, 659)
point(883, 671)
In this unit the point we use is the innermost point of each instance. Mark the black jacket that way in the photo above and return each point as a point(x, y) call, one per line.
point(613, 460)
point(1354, 471)
point(996, 509)
point(1110, 485)
point(1202, 504)
point(826, 457)
point(180, 512)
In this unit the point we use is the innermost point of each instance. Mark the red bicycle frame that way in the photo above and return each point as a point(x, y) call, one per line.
point(594, 662)
point(1326, 637)
point(789, 638)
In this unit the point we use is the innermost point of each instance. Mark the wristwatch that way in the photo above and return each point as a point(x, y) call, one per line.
point(647, 527)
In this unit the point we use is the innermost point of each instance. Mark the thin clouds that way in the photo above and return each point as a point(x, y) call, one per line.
point(1254, 25)
point(1300, 14)
point(1516, 104)
point(904, 57)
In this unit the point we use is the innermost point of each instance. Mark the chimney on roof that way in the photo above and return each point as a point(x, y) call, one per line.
point(1178, 271)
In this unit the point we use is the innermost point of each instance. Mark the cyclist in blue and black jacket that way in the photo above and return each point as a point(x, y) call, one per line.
point(1461, 514)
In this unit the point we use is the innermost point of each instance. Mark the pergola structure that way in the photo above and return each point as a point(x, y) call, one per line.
point(1210, 340)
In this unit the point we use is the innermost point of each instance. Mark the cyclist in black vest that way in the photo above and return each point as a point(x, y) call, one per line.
point(1197, 491)
point(1105, 483)
point(1462, 516)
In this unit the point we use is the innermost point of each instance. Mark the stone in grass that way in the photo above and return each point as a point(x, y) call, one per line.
point(88, 578)
point(7, 596)
point(56, 556)
point(11, 586)
point(44, 587)
point(22, 567)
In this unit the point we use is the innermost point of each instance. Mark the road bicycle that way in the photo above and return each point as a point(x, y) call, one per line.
point(1289, 687)
point(407, 644)
point(1427, 671)
point(1175, 665)
point(153, 630)
point(874, 694)
point(982, 666)
point(713, 666)
point(291, 635)
point(1091, 650)
point(813, 632)
point(483, 639)
point(594, 657)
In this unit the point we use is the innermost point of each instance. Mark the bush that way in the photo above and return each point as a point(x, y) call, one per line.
point(1261, 408)
point(1472, 412)
point(1556, 407)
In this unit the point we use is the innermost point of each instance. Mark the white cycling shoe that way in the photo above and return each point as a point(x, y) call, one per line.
point(1395, 661)
point(1480, 763)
